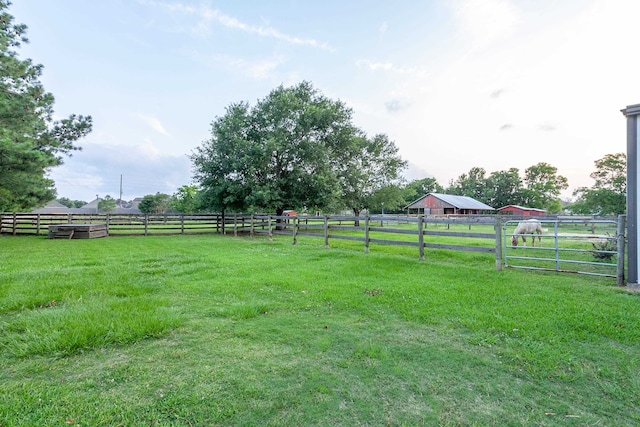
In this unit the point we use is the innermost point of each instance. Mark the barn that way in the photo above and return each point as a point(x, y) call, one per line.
point(521, 211)
point(445, 204)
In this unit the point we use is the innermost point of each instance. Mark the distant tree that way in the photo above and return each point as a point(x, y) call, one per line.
point(280, 154)
point(390, 198)
point(154, 203)
point(419, 187)
point(106, 204)
point(608, 196)
point(370, 173)
point(543, 186)
point(185, 199)
point(31, 141)
point(71, 203)
point(503, 188)
point(472, 184)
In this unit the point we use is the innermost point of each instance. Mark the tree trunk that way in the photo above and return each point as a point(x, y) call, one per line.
point(356, 213)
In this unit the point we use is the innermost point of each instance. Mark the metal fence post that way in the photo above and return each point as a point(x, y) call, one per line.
point(620, 240)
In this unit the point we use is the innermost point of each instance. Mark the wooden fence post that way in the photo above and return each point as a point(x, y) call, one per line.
point(146, 223)
point(182, 224)
point(295, 229)
point(15, 224)
point(251, 228)
point(38, 225)
point(498, 229)
point(366, 234)
point(620, 241)
point(326, 231)
point(235, 225)
point(270, 228)
point(421, 237)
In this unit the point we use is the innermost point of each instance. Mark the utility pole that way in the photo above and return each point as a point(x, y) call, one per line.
point(120, 198)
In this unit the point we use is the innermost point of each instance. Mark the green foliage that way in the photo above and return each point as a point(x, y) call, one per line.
point(605, 249)
point(185, 199)
point(106, 204)
point(31, 141)
point(419, 187)
point(370, 174)
point(540, 187)
point(71, 203)
point(471, 184)
point(294, 148)
point(608, 196)
point(543, 186)
point(154, 203)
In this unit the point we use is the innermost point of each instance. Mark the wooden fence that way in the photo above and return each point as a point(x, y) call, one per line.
point(413, 231)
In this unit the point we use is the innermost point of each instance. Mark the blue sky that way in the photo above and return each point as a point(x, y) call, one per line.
point(455, 84)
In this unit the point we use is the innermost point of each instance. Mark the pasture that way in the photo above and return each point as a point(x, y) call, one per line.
point(217, 330)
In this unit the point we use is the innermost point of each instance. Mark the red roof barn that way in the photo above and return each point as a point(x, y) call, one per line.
point(444, 204)
point(521, 211)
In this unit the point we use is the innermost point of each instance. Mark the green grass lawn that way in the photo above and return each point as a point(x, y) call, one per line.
point(214, 330)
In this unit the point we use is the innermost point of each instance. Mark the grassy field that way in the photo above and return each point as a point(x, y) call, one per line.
point(214, 330)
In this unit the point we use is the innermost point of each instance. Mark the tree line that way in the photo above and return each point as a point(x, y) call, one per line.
point(293, 149)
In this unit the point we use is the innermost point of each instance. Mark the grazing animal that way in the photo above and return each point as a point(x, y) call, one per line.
point(530, 226)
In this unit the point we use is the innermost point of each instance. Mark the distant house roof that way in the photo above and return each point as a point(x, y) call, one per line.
point(459, 202)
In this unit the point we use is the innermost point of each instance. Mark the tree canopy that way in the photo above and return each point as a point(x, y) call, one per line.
point(540, 187)
point(295, 148)
point(608, 195)
point(31, 141)
point(154, 203)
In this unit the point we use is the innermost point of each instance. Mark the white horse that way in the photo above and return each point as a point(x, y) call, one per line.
point(530, 226)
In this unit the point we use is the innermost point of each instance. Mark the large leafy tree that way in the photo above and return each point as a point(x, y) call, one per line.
point(419, 187)
point(154, 203)
point(107, 204)
point(543, 186)
point(185, 199)
point(472, 184)
point(608, 196)
point(285, 152)
point(503, 188)
point(370, 174)
point(31, 141)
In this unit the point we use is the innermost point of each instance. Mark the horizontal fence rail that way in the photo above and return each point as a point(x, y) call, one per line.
point(594, 247)
point(571, 244)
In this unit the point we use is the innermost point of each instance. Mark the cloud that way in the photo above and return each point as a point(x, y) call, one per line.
point(496, 93)
point(257, 70)
point(506, 126)
point(209, 15)
point(396, 105)
point(388, 66)
point(548, 126)
point(485, 22)
point(154, 123)
point(144, 169)
point(383, 28)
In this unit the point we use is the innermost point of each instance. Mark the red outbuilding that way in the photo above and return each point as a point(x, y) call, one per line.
point(521, 211)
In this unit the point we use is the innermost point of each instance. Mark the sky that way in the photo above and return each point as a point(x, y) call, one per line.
point(455, 84)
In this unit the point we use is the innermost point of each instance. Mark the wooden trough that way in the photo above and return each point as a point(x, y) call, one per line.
point(77, 231)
